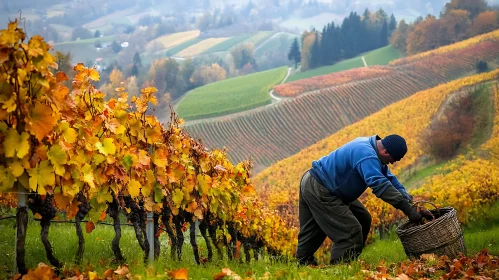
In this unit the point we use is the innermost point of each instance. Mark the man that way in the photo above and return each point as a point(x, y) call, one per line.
point(329, 191)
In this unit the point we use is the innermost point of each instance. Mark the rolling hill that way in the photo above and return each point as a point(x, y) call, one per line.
point(381, 56)
point(231, 95)
point(275, 132)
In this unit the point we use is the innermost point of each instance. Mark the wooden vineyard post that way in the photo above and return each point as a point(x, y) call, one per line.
point(21, 227)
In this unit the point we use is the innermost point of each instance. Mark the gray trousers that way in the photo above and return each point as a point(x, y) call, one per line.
point(322, 214)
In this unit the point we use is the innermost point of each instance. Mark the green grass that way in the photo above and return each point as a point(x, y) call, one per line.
point(381, 56)
point(483, 110)
point(415, 178)
point(98, 254)
point(281, 43)
point(259, 37)
point(231, 95)
point(227, 44)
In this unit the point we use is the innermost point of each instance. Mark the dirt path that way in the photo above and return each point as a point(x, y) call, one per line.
point(364, 60)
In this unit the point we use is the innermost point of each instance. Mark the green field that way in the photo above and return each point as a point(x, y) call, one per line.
point(381, 56)
point(280, 42)
point(259, 37)
point(231, 95)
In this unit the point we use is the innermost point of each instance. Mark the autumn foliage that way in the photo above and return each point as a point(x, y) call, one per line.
point(451, 129)
point(79, 153)
point(325, 81)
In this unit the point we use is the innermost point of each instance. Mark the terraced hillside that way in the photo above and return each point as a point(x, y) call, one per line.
point(270, 134)
point(408, 117)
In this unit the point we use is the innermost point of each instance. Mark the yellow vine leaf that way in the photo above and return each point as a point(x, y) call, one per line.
point(68, 133)
point(41, 176)
point(58, 158)
point(106, 147)
point(71, 189)
point(7, 180)
point(88, 175)
point(16, 144)
point(104, 196)
point(134, 188)
point(204, 183)
point(41, 121)
point(93, 75)
point(17, 168)
point(61, 200)
point(177, 197)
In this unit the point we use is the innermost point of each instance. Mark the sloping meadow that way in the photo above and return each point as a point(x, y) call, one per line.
point(272, 133)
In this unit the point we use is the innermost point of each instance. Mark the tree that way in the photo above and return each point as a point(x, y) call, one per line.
point(116, 47)
point(132, 86)
point(81, 33)
point(186, 73)
point(97, 34)
point(392, 26)
point(205, 22)
point(451, 130)
point(208, 74)
point(294, 52)
point(308, 41)
point(482, 66)
point(399, 37)
point(129, 29)
point(134, 71)
point(136, 60)
point(243, 55)
point(383, 39)
point(455, 26)
point(315, 55)
point(425, 36)
point(484, 23)
point(474, 7)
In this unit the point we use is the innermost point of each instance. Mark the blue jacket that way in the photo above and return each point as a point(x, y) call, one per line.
point(350, 169)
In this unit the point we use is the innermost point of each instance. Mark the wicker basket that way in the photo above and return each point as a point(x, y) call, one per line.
point(443, 236)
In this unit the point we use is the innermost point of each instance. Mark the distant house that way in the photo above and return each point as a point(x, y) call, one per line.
point(124, 45)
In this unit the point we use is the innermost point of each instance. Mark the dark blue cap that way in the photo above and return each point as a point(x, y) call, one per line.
point(395, 145)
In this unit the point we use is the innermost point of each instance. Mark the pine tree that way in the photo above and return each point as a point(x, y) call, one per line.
point(324, 46)
point(392, 26)
point(315, 54)
point(294, 52)
point(136, 60)
point(383, 40)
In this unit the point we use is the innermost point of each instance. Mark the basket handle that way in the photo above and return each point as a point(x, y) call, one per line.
point(428, 202)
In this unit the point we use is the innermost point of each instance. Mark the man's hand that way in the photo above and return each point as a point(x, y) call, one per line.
point(427, 214)
point(413, 215)
point(409, 198)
